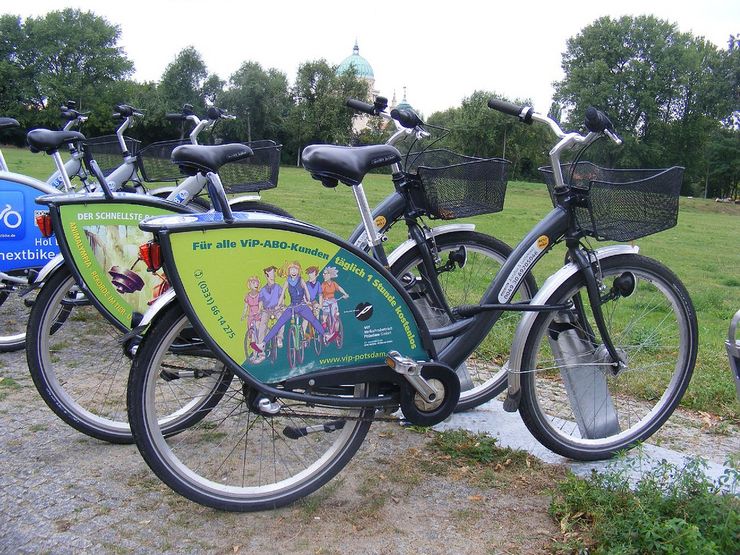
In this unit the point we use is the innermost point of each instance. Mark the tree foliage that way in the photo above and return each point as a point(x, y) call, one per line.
point(665, 90)
point(67, 54)
point(260, 100)
point(476, 130)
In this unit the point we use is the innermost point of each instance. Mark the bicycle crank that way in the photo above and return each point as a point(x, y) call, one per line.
point(430, 393)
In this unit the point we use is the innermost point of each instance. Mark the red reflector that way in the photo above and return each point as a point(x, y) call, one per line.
point(151, 254)
point(43, 222)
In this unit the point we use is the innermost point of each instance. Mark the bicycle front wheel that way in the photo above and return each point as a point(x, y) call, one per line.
point(572, 400)
point(239, 457)
point(482, 376)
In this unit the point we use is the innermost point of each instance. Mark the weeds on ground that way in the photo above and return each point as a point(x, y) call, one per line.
point(669, 510)
point(7, 384)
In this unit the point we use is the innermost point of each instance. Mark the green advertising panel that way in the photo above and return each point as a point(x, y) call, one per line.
point(282, 304)
point(104, 240)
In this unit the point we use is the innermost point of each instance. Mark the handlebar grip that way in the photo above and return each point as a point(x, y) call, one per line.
point(597, 121)
point(214, 113)
point(361, 106)
point(524, 113)
point(174, 117)
point(407, 118)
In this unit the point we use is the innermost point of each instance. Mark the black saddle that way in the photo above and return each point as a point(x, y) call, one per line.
point(208, 158)
point(45, 140)
point(348, 164)
point(6, 123)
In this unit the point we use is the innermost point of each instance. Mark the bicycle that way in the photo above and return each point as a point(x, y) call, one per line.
point(93, 288)
point(460, 258)
point(617, 323)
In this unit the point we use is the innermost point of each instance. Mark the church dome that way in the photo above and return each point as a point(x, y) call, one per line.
point(363, 69)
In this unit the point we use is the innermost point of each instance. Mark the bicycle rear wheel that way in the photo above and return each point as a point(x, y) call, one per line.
point(482, 376)
point(15, 311)
point(80, 364)
point(571, 400)
point(237, 458)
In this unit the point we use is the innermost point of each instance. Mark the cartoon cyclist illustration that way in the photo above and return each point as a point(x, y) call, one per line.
point(296, 289)
point(270, 309)
point(252, 314)
point(329, 308)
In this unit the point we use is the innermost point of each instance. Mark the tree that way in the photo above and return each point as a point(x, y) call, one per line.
point(318, 114)
point(666, 91)
point(68, 54)
point(183, 79)
point(260, 100)
point(476, 130)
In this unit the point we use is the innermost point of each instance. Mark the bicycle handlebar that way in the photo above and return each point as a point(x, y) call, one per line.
point(524, 113)
point(125, 111)
point(405, 117)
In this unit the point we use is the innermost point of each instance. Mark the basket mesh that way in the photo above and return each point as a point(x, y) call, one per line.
point(106, 151)
point(622, 205)
point(155, 163)
point(457, 186)
point(256, 173)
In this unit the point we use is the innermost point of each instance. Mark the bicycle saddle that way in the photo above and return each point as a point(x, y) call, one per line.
point(348, 164)
point(49, 141)
point(6, 123)
point(209, 158)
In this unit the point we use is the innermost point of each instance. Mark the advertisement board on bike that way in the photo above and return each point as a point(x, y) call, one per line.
point(21, 244)
point(103, 241)
point(282, 303)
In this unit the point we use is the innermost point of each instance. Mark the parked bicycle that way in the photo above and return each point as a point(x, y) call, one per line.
point(601, 358)
point(93, 295)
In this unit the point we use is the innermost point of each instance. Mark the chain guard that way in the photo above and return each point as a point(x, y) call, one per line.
point(419, 413)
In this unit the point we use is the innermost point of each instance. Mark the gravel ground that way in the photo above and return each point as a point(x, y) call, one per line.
point(63, 492)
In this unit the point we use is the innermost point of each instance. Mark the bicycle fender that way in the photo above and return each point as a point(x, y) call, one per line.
point(514, 369)
point(155, 308)
point(52, 266)
point(42, 187)
point(245, 198)
point(409, 244)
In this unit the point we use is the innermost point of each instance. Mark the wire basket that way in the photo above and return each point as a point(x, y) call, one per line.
point(106, 151)
point(622, 205)
point(256, 173)
point(155, 163)
point(453, 186)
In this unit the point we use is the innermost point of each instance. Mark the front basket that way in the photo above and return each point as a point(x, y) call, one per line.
point(622, 205)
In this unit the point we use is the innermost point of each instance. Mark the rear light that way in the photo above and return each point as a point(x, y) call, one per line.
point(151, 254)
point(43, 222)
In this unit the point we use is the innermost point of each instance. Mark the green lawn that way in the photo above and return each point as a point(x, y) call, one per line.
point(703, 250)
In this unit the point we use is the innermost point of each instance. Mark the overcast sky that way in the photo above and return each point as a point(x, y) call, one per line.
point(441, 51)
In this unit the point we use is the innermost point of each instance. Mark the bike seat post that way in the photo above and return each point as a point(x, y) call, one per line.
point(62, 170)
point(374, 238)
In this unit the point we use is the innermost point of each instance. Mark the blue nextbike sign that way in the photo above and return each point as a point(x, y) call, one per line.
point(21, 243)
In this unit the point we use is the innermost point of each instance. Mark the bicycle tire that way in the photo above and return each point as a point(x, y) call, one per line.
point(237, 458)
point(15, 312)
point(80, 375)
point(654, 328)
point(484, 376)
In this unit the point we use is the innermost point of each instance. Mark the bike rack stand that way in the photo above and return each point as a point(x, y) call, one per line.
point(733, 351)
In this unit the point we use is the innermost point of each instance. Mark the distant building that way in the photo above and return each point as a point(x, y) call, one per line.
point(364, 71)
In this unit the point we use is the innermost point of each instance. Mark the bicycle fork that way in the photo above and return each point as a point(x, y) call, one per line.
point(582, 360)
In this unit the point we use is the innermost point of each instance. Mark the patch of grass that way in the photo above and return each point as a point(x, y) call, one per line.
point(464, 447)
point(7, 385)
point(38, 428)
point(670, 510)
point(731, 282)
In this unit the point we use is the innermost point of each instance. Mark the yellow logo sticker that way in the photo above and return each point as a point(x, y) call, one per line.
point(542, 241)
point(380, 222)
